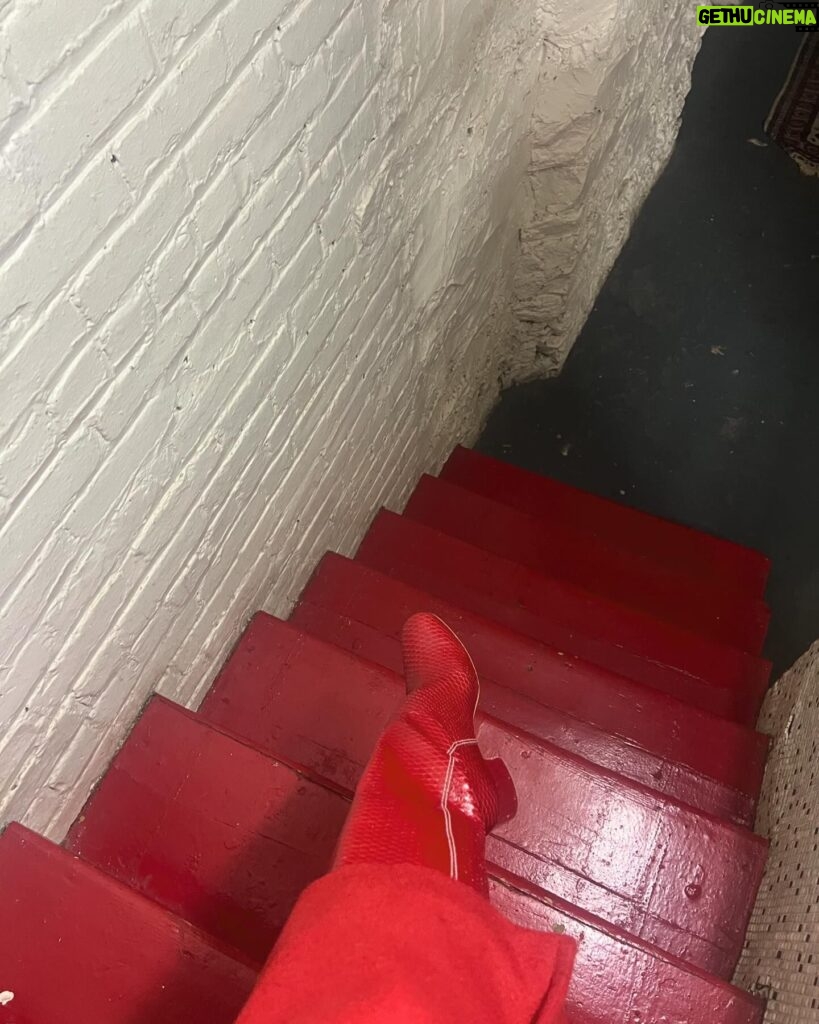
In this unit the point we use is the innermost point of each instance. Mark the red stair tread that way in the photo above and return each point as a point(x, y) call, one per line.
point(721, 749)
point(664, 871)
point(530, 664)
point(203, 882)
point(567, 553)
point(77, 947)
point(351, 605)
point(675, 877)
point(260, 832)
point(640, 983)
point(615, 753)
point(725, 681)
point(668, 543)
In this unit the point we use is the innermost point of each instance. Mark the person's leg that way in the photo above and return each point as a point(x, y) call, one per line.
point(393, 935)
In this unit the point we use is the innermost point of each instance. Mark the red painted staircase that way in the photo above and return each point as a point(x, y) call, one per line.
point(621, 682)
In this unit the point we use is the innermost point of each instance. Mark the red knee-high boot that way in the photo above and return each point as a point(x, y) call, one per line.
point(428, 797)
point(392, 934)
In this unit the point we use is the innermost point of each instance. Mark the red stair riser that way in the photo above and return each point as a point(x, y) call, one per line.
point(527, 603)
point(315, 705)
point(245, 816)
point(630, 643)
point(569, 554)
point(677, 547)
point(609, 750)
point(77, 947)
point(227, 871)
point(718, 748)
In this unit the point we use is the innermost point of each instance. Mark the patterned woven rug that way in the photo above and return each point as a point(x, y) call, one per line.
point(794, 119)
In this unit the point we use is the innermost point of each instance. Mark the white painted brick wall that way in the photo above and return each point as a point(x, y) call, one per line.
point(254, 262)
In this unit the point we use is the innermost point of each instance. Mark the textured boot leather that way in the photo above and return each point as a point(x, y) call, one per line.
point(428, 796)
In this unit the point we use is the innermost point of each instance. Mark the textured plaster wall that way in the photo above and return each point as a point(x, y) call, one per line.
point(614, 77)
point(781, 957)
point(254, 263)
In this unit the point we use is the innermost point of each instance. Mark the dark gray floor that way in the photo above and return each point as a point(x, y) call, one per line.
point(692, 391)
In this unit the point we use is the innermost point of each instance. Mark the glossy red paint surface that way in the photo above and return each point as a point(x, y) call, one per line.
point(619, 979)
point(566, 553)
point(353, 606)
point(678, 547)
point(601, 748)
point(209, 827)
point(669, 873)
point(724, 750)
point(77, 947)
point(675, 877)
point(725, 681)
point(614, 972)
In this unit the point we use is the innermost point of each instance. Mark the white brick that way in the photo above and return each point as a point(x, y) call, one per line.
point(291, 282)
point(133, 246)
point(208, 285)
point(123, 331)
point(18, 203)
point(38, 515)
point(14, 95)
point(245, 23)
point(368, 304)
point(28, 368)
point(259, 216)
point(347, 43)
point(362, 131)
point(110, 605)
point(46, 423)
point(225, 237)
point(307, 27)
point(270, 140)
point(328, 283)
point(304, 215)
point(273, 136)
point(59, 243)
point(126, 504)
point(172, 267)
point(168, 117)
point(170, 25)
point(342, 206)
point(155, 353)
point(329, 124)
point(229, 122)
point(61, 780)
point(187, 94)
point(221, 505)
point(80, 527)
point(64, 130)
point(41, 33)
point(214, 210)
